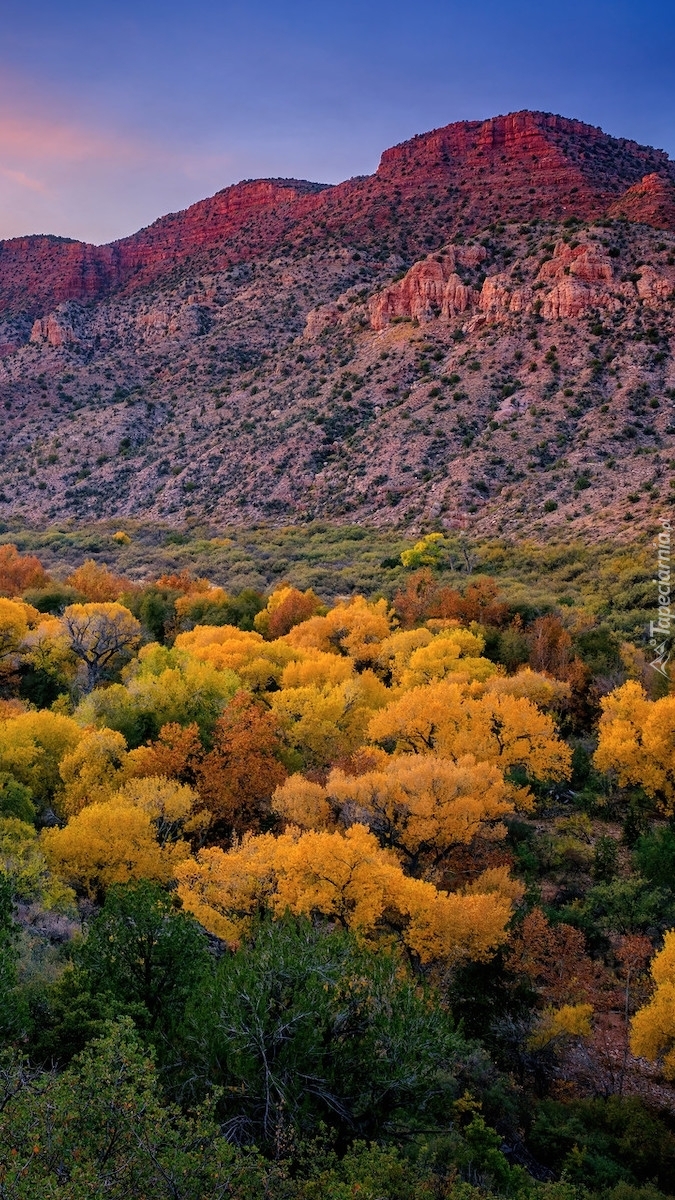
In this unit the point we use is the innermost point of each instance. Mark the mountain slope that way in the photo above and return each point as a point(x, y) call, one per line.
point(285, 351)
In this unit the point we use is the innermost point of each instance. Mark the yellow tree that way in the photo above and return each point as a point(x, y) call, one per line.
point(106, 843)
point(325, 723)
point(258, 664)
point(418, 804)
point(174, 808)
point(446, 719)
point(546, 692)
point(32, 747)
point(355, 629)
point(99, 634)
point(93, 770)
point(15, 620)
point(653, 1027)
point(453, 652)
point(349, 879)
point(637, 741)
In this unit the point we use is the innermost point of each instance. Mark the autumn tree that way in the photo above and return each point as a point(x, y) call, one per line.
point(355, 628)
point(100, 634)
point(258, 664)
point(322, 724)
point(443, 718)
point(107, 843)
point(161, 687)
point(15, 620)
point(18, 572)
point(285, 608)
point(569, 983)
point(546, 692)
point(174, 808)
point(550, 646)
point(176, 754)
point(238, 775)
point(418, 804)
point(637, 741)
point(32, 747)
point(653, 1027)
point(92, 770)
point(418, 599)
point(97, 584)
point(347, 878)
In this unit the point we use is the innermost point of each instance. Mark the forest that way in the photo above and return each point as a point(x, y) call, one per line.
point(313, 889)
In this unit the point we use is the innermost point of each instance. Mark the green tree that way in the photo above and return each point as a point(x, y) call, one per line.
point(304, 1026)
point(12, 1011)
point(144, 952)
point(103, 1130)
point(15, 799)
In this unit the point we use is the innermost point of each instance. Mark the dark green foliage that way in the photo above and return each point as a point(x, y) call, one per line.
point(601, 1143)
point(15, 799)
point(305, 1026)
point(12, 1007)
point(103, 1129)
point(654, 857)
point(53, 598)
point(144, 952)
point(156, 610)
point(605, 859)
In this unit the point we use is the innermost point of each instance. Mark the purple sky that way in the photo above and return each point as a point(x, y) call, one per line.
point(113, 114)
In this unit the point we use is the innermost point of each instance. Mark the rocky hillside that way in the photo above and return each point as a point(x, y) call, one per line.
point(478, 336)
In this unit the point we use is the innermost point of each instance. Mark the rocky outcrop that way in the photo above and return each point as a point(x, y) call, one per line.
point(64, 327)
point(431, 288)
point(651, 202)
point(653, 287)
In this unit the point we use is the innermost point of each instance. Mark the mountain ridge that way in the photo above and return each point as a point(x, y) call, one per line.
point(568, 177)
point(479, 336)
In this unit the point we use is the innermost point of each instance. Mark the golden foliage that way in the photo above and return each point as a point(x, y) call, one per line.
point(418, 804)
point(302, 803)
point(543, 690)
point(173, 807)
point(447, 719)
point(637, 740)
point(325, 723)
point(15, 620)
point(106, 843)
point(93, 770)
point(316, 668)
point(32, 746)
point(355, 628)
point(258, 664)
point(452, 653)
point(347, 878)
point(572, 1020)
point(653, 1027)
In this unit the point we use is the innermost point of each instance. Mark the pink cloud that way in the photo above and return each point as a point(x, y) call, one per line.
point(35, 138)
point(23, 180)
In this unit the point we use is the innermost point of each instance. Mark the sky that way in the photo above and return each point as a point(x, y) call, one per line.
point(112, 114)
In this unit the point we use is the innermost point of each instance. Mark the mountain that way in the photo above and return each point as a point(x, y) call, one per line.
point(479, 335)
